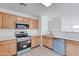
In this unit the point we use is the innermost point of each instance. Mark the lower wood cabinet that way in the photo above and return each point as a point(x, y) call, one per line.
point(35, 41)
point(47, 41)
point(8, 47)
point(72, 48)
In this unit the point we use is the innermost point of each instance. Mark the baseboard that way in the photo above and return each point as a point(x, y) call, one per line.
point(47, 47)
point(35, 46)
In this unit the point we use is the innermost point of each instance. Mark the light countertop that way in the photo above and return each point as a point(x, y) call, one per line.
point(63, 37)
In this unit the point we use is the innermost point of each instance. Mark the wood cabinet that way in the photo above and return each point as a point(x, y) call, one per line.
point(48, 41)
point(8, 47)
point(35, 41)
point(1, 20)
point(72, 48)
point(34, 24)
point(27, 20)
point(19, 19)
point(9, 21)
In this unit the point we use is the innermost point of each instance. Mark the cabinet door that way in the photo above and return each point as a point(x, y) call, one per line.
point(49, 43)
point(44, 41)
point(38, 40)
point(12, 47)
point(27, 20)
point(8, 47)
point(1, 20)
point(72, 49)
point(58, 46)
point(10, 21)
point(35, 24)
point(33, 42)
point(4, 50)
point(20, 19)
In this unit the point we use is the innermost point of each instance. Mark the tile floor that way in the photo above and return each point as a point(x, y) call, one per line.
point(40, 51)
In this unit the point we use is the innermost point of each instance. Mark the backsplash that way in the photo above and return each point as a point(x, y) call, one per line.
point(10, 33)
point(5, 34)
point(74, 35)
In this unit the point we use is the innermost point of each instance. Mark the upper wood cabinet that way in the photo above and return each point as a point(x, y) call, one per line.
point(0, 20)
point(72, 48)
point(27, 20)
point(9, 21)
point(8, 47)
point(34, 24)
point(19, 19)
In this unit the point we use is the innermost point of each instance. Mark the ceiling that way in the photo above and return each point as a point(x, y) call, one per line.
point(34, 9)
point(37, 9)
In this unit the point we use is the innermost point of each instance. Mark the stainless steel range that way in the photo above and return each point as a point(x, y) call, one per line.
point(23, 42)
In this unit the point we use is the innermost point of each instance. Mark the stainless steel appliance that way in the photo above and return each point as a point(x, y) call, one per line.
point(20, 25)
point(23, 42)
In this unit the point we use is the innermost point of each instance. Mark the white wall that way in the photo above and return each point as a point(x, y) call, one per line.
point(44, 24)
point(55, 24)
point(69, 12)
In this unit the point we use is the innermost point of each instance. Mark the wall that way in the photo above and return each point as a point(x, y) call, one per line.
point(44, 24)
point(55, 24)
point(68, 12)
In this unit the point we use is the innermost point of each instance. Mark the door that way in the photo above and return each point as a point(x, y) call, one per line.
point(58, 46)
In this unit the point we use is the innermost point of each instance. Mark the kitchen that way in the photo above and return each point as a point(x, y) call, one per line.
point(32, 29)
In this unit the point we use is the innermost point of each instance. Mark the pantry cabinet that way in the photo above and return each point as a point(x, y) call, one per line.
point(48, 41)
point(9, 21)
point(35, 41)
point(8, 47)
point(72, 48)
point(1, 20)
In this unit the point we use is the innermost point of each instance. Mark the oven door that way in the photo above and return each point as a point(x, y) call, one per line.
point(23, 45)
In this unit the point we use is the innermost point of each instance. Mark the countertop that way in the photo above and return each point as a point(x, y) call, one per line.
point(3, 39)
point(63, 37)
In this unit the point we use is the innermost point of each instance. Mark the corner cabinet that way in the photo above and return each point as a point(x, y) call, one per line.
point(59, 46)
point(35, 41)
point(72, 48)
point(47, 41)
point(8, 47)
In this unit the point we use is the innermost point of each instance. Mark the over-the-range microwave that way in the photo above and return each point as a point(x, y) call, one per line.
point(20, 25)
